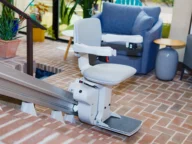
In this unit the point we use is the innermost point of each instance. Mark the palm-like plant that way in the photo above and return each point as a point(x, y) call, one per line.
point(66, 12)
point(87, 6)
point(8, 23)
point(7, 11)
point(6, 28)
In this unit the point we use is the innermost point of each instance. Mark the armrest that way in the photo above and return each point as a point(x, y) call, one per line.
point(122, 38)
point(95, 50)
point(97, 15)
point(155, 31)
point(150, 49)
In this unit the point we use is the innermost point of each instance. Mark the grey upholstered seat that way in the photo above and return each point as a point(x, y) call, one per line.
point(108, 74)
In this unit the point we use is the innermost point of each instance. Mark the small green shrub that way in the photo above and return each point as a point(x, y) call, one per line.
point(166, 30)
point(6, 28)
point(8, 23)
point(167, 2)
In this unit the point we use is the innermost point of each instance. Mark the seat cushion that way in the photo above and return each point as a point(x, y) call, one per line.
point(109, 74)
point(142, 24)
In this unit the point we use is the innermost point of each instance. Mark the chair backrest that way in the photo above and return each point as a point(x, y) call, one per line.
point(88, 31)
point(129, 2)
point(188, 52)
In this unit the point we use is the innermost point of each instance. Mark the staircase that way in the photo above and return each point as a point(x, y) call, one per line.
point(18, 127)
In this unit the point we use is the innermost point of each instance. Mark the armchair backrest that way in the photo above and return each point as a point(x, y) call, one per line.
point(119, 19)
point(188, 52)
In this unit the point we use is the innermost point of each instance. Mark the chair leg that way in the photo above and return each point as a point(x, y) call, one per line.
point(182, 72)
point(68, 47)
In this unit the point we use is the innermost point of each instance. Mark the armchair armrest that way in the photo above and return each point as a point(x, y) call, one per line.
point(155, 31)
point(95, 50)
point(150, 49)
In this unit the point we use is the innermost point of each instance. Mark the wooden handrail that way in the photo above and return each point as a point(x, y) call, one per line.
point(30, 24)
point(24, 15)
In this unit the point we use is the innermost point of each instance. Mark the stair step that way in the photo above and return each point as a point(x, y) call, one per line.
point(26, 128)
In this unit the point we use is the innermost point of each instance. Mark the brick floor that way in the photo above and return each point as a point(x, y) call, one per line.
point(164, 107)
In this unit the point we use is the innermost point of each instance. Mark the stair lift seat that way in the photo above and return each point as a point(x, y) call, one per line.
point(105, 74)
point(93, 91)
point(108, 74)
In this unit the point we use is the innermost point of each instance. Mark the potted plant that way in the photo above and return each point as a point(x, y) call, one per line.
point(8, 30)
point(166, 26)
point(166, 30)
point(37, 11)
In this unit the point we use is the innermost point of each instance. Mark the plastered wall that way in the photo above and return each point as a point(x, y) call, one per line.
point(181, 22)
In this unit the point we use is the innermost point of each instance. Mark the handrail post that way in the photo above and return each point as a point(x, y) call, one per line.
point(29, 47)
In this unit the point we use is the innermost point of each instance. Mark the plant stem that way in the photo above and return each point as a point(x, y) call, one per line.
point(28, 5)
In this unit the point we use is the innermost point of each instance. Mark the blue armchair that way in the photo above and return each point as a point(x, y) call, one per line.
point(132, 20)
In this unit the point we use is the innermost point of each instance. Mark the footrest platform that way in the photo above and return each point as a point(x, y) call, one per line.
point(124, 125)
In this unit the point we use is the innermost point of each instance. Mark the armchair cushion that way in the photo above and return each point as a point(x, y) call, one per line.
point(118, 19)
point(142, 24)
point(153, 12)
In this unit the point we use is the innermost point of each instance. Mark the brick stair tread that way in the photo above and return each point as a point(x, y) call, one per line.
point(75, 133)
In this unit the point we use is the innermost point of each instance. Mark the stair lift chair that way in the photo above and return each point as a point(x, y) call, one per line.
point(93, 91)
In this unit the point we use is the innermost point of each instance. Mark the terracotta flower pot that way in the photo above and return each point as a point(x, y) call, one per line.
point(8, 49)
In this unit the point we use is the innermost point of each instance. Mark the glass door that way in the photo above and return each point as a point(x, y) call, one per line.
point(59, 16)
point(69, 12)
point(47, 16)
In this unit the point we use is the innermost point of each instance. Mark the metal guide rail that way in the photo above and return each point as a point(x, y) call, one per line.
point(26, 88)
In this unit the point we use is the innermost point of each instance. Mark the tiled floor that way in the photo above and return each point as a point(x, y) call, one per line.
point(164, 107)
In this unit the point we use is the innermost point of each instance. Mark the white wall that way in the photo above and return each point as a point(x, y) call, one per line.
point(22, 4)
point(181, 22)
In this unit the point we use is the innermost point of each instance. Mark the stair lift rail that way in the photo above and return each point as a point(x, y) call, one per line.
point(26, 88)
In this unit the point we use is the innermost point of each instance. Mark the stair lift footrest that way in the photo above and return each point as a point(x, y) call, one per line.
point(125, 125)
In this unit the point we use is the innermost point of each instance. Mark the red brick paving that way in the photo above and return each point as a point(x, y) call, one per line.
point(164, 107)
